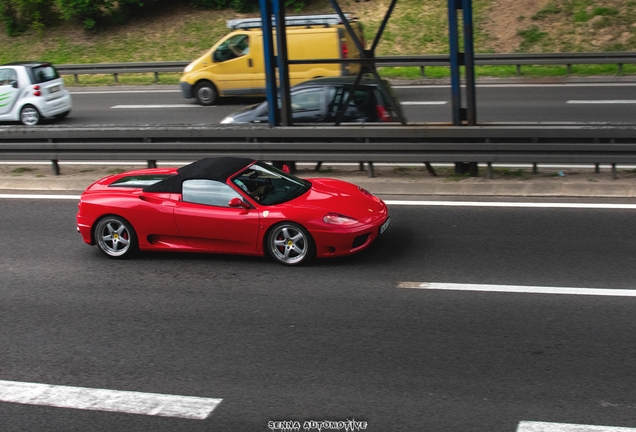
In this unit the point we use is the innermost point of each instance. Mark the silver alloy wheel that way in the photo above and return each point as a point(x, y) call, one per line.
point(289, 243)
point(206, 93)
point(29, 115)
point(114, 237)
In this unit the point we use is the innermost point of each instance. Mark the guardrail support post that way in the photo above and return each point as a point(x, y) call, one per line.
point(152, 163)
point(489, 170)
point(614, 175)
point(597, 168)
point(156, 77)
point(568, 69)
point(116, 77)
point(620, 68)
point(535, 169)
point(371, 170)
point(55, 166)
point(518, 69)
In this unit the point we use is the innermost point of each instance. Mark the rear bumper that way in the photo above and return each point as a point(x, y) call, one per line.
point(56, 106)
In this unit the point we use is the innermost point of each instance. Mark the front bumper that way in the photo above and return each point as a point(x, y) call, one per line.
point(187, 89)
point(347, 241)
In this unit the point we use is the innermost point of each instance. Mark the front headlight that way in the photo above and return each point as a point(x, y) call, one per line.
point(338, 219)
point(227, 120)
point(188, 68)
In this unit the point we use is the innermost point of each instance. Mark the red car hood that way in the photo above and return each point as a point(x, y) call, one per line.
point(342, 197)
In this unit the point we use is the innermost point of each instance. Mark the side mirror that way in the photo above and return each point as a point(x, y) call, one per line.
point(237, 202)
point(14, 84)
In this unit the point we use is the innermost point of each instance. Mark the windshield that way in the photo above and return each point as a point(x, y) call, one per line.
point(269, 185)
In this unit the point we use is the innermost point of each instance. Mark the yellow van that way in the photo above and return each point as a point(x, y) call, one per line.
point(235, 65)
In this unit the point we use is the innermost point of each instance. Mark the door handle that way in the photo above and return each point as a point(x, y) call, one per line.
point(249, 63)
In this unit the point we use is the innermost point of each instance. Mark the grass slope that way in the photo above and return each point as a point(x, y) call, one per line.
point(415, 28)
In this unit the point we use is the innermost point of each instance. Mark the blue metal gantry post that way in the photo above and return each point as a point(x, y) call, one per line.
point(458, 59)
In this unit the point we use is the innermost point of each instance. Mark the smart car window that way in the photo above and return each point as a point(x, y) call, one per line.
point(208, 192)
point(8, 76)
point(43, 74)
point(309, 100)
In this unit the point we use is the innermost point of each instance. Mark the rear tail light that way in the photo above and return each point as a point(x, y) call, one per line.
point(383, 114)
point(345, 50)
point(36, 90)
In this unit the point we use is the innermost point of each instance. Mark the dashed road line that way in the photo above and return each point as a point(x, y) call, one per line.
point(444, 286)
point(153, 404)
point(602, 102)
point(155, 106)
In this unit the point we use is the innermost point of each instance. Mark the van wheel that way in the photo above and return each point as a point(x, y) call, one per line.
point(29, 115)
point(206, 93)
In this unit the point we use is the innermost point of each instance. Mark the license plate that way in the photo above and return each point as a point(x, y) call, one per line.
point(54, 89)
point(385, 225)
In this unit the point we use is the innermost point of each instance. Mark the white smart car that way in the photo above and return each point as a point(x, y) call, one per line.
point(31, 91)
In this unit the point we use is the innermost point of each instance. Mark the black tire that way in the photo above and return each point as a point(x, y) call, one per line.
point(62, 115)
point(115, 237)
point(29, 115)
point(290, 244)
point(206, 93)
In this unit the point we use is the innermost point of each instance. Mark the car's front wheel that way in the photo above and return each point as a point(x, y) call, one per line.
point(206, 93)
point(29, 115)
point(290, 244)
point(115, 237)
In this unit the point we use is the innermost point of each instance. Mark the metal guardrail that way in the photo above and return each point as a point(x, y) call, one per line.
point(567, 59)
point(568, 144)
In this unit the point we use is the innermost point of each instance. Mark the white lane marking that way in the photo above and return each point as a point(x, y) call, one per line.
point(517, 289)
point(425, 86)
point(424, 103)
point(39, 196)
point(615, 101)
point(512, 204)
point(122, 91)
point(157, 106)
point(530, 426)
point(189, 407)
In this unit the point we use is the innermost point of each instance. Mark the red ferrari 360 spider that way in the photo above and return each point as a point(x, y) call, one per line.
point(229, 205)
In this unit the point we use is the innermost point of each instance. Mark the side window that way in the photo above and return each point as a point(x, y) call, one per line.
point(309, 100)
point(233, 47)
point(208, 192)
point(8, 77)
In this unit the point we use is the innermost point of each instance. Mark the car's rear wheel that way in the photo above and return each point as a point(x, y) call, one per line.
point(116, 237)
point(206, 93)
point(290, 244)
point(29, 115)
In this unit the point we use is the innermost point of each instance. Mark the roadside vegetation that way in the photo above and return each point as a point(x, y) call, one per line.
point(75, 32)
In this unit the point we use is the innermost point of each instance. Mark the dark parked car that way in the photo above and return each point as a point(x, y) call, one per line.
point(319, 101)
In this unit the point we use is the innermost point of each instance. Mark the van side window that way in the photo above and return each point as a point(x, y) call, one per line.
point(233, 47)
point(8, 77)
point(208, 192)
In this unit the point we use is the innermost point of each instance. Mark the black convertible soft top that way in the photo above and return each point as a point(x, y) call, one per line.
point(218, 169)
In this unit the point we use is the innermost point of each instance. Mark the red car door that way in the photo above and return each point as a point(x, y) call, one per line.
point(206, 221)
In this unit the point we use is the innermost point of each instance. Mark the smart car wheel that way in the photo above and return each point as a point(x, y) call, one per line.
point(290, 244)
point(29, 115)
point(115, 237)
point(206, 93)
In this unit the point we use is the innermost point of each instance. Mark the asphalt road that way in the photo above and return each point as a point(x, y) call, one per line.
point(591, 102)
point(335, 340)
